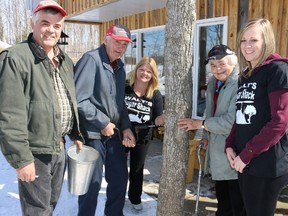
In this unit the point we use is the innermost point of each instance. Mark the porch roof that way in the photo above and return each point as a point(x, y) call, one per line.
point(112, 9)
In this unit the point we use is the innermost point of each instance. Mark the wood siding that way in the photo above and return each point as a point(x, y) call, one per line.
point(74, 7)
point(138, 21)
point(238, 13)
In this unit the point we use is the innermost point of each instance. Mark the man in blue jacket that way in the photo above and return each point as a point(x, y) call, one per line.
point(100, 90)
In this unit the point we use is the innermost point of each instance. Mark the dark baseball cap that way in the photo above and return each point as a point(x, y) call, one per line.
point(120, 33)
point(218, 52)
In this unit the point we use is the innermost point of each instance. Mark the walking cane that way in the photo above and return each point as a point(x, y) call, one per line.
point(199, 176)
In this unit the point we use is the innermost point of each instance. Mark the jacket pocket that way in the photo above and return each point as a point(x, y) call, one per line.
point(40, 123)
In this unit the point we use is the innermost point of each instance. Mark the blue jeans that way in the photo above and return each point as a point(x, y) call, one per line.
point(112, 155)
point(40, 196)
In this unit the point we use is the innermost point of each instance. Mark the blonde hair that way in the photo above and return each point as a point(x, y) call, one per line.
point(153, 84)
point(265, 27)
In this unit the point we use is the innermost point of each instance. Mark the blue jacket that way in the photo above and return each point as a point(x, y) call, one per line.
point(100, 92)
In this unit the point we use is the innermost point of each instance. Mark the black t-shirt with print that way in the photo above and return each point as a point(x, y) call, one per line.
point(142, 112)
point(253, 113)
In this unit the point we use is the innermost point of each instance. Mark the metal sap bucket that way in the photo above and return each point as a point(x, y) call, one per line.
point(80, 168)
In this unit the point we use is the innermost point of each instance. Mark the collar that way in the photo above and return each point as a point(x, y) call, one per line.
point(274, 57)
point(39, 51)
point(219, 85)
point(104, 57)
point(271, 58)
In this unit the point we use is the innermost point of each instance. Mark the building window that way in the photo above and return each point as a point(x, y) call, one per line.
point(147, 42)
point(151, 42)
point(207, 33)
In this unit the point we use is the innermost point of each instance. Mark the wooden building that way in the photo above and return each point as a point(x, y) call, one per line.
point(218, 21)
point(238, 12)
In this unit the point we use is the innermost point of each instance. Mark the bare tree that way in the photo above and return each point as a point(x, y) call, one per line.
point(1, 23)
point(81, 39)
point(14, 21)
point(178, 96)
point(15, 27)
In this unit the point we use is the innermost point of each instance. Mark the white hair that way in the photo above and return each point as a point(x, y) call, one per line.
point(232, 60)
point(35, 16)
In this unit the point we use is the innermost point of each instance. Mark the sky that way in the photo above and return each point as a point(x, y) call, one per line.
point(67, 205)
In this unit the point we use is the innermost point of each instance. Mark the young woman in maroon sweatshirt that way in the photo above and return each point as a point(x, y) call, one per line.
point(257, 146)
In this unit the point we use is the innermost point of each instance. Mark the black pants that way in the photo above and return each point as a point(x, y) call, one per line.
point(137, 160)
point(229, 198)
point(260, 194)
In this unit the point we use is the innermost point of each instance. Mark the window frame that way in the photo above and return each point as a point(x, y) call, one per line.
point(137, 33)
point(196, 58)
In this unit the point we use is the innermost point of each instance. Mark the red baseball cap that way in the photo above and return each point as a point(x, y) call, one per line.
point(50, 4)
point(120, 33)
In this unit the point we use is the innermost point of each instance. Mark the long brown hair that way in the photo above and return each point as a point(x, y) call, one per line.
point(153, 84)
point(265, 27)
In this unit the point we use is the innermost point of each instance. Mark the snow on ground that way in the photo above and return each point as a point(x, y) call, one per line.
point(67, 205)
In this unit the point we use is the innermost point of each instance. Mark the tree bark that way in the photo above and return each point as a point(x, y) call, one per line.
point(178, 104)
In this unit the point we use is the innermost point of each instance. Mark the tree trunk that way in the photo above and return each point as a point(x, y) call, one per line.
point(178, 103)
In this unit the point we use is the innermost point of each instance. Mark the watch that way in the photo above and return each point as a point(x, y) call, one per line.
point(203, 126)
